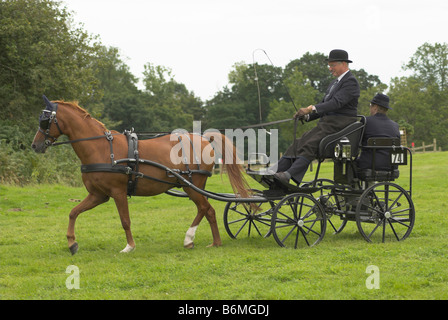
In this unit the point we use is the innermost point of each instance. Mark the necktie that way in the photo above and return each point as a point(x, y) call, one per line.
point(331, 89)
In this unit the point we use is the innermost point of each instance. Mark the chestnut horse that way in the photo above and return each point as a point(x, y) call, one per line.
point(94, 144)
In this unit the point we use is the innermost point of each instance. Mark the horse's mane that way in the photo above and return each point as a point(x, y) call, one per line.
point(74, 105)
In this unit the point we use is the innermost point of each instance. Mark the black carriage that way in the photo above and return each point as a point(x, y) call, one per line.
point(299, 216)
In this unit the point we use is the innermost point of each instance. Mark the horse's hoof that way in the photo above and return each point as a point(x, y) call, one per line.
point(74, 248)
point(127, 249)
point(214, 245)
point(189, 246)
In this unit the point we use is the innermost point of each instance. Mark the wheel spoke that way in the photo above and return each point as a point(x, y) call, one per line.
point(242, 227)
point(304, 236)
point(288, 234)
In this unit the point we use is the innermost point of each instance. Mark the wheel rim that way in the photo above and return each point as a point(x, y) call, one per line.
point(298, 221)
point(241, 219)
point(385, 212)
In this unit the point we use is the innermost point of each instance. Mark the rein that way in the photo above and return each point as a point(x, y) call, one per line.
point(106, 135)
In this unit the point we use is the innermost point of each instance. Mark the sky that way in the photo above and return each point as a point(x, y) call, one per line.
point(201, 40)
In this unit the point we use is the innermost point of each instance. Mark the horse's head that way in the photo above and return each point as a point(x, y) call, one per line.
point(46, 130)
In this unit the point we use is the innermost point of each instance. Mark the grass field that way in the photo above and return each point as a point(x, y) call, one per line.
point(34, 254)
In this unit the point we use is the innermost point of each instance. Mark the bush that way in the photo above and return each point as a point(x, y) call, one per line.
point(22, 166)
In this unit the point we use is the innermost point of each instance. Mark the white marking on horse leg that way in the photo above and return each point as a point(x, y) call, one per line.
point(127, 249)
point(189, 237)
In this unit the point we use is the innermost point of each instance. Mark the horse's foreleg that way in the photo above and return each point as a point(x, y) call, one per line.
point(88, 203)
point(121, 202)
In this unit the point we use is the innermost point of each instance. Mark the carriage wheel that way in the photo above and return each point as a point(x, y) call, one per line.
point(297, 221)
point(241, 218)
point(385, 212)
point(331, 203)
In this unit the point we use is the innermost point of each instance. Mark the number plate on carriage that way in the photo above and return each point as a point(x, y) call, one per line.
point(399, 157)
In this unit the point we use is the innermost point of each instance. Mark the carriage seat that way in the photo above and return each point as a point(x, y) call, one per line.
point(381, 144)
point(353, 133)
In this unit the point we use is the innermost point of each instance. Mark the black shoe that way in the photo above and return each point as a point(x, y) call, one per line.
point(282, 178)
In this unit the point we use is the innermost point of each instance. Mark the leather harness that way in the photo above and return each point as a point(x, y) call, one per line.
point(131, 167)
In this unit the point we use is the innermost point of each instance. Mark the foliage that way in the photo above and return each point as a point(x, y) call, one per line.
point(421, 100)
point(430, 64)
point(248, 99)
point(313, 67)
point(41, 54)
point(43, 51)
point(301, 91)
point(171, 103)
point(59, 165)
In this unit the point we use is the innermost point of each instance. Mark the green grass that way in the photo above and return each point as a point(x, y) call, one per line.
point(34, 253)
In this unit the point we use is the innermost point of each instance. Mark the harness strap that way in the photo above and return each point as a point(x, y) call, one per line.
point(106, 167)
point(83, 139)
point(183, 153)
point(110, 138)
point(132, 154)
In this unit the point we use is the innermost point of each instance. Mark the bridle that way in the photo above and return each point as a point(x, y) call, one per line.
point(46, 119)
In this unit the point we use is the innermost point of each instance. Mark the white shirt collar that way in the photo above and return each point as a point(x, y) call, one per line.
point(342, 75)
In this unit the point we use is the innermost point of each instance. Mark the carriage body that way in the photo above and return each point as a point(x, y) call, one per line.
point(299, 216)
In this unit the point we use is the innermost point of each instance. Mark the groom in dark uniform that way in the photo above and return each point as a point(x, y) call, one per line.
point(337, 110)
point(378, 124)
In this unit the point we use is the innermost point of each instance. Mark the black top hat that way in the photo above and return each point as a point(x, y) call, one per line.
point(381, 100)
point(338, 55)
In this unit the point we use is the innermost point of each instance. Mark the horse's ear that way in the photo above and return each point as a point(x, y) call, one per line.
point(48, 103)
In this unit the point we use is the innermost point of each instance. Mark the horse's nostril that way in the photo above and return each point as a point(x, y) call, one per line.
point(33, 146)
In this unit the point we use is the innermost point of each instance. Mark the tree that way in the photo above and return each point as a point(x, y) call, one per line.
point(365, 80)
point(247, 101)
point(121, 105)
point(421, 100)
point(430, 63)
point(420, 106)
point(40, 53)
point(303, 94)
point(315, 68)
point(169, 102)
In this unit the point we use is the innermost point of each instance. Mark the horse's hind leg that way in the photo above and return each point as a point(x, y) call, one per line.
point(88, 203)
point(211, 218)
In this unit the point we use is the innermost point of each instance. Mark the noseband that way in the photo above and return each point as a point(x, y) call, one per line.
point(45, 121)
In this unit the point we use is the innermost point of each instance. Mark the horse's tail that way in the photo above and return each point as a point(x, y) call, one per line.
point(231, 162)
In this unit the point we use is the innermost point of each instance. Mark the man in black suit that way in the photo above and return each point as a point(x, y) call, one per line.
point(337, 110)
point(378, 125)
